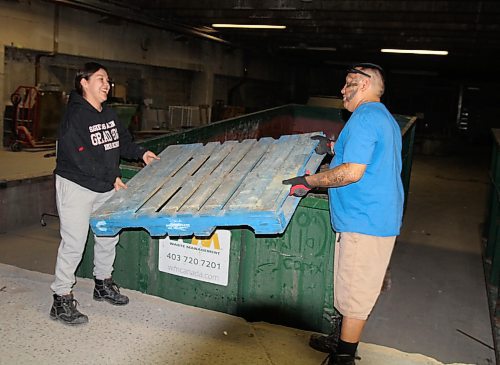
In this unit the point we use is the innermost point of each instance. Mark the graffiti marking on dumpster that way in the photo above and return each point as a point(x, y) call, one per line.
point(199, 259)
point(303, 266)
point(291, 263)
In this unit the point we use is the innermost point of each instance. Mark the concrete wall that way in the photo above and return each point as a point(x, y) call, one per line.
point(151, 63)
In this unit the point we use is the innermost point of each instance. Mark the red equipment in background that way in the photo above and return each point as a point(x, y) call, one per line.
point(26, 126)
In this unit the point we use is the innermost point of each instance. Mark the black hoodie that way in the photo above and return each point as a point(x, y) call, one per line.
point(90, 144)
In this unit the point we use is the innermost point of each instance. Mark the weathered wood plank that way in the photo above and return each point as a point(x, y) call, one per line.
point(214, 159)
point(276, 191)
point(173, 183)
point(257, 182)
point(217, 177)
point(287, 204)
point(149, 180)
point(231, 183)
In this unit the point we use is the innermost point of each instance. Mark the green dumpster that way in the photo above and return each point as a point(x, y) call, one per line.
point(284, 279)
point(125, 112)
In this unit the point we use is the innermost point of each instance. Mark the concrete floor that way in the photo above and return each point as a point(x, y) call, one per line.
point(436, 307)
point(438, 302)
point(25, 165)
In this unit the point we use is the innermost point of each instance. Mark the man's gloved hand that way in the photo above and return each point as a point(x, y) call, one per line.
point(325, 145)
point(300, 187)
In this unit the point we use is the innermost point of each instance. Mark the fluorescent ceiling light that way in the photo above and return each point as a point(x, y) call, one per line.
point(249, 26)
point(414, 51)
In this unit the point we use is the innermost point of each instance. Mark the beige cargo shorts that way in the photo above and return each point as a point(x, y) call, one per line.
point(359, 268)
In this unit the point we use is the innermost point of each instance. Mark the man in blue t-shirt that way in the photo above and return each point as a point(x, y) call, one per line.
point(366, 205)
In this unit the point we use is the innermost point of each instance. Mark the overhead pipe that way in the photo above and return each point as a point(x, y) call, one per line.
point(133, 17)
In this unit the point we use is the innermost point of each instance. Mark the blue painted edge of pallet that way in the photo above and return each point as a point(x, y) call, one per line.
point(291, 202)
point(261, 222)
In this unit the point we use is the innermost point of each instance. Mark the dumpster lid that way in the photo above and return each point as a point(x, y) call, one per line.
point(194, 188)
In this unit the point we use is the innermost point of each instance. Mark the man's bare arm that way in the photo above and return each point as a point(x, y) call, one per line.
point(341, 175)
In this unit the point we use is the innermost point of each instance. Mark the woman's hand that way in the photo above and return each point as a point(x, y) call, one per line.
point(149, 157)
point(119, 184)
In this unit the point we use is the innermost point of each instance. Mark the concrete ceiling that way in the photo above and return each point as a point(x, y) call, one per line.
point(357, 30)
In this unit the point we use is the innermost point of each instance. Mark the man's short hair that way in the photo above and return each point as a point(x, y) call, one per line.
point(359, 68)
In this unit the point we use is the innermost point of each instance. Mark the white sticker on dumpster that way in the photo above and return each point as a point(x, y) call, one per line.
point(204, 259)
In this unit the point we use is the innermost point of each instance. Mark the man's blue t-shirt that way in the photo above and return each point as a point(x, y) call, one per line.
point(374, 204)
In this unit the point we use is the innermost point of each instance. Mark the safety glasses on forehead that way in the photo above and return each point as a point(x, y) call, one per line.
point(354, 70)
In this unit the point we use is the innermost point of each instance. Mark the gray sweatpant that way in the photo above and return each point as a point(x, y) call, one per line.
point(75, 205)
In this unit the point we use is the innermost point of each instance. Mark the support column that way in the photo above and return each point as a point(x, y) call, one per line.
point(202, 90)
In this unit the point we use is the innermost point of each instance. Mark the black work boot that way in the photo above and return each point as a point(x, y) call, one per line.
point(327, 343)
point(340, 359)
point(110, 292)
point(64, 309)
point(324, 343)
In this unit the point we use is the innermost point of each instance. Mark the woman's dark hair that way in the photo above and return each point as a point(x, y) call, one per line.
point(88, 70)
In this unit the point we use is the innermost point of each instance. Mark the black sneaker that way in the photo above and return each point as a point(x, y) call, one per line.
point(110, 292)
point(64, 309)
point(339, 359)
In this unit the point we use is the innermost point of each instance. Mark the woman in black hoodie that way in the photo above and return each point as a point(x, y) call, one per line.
point(91, 142)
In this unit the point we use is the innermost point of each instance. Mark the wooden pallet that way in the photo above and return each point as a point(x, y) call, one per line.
point(194, 188)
